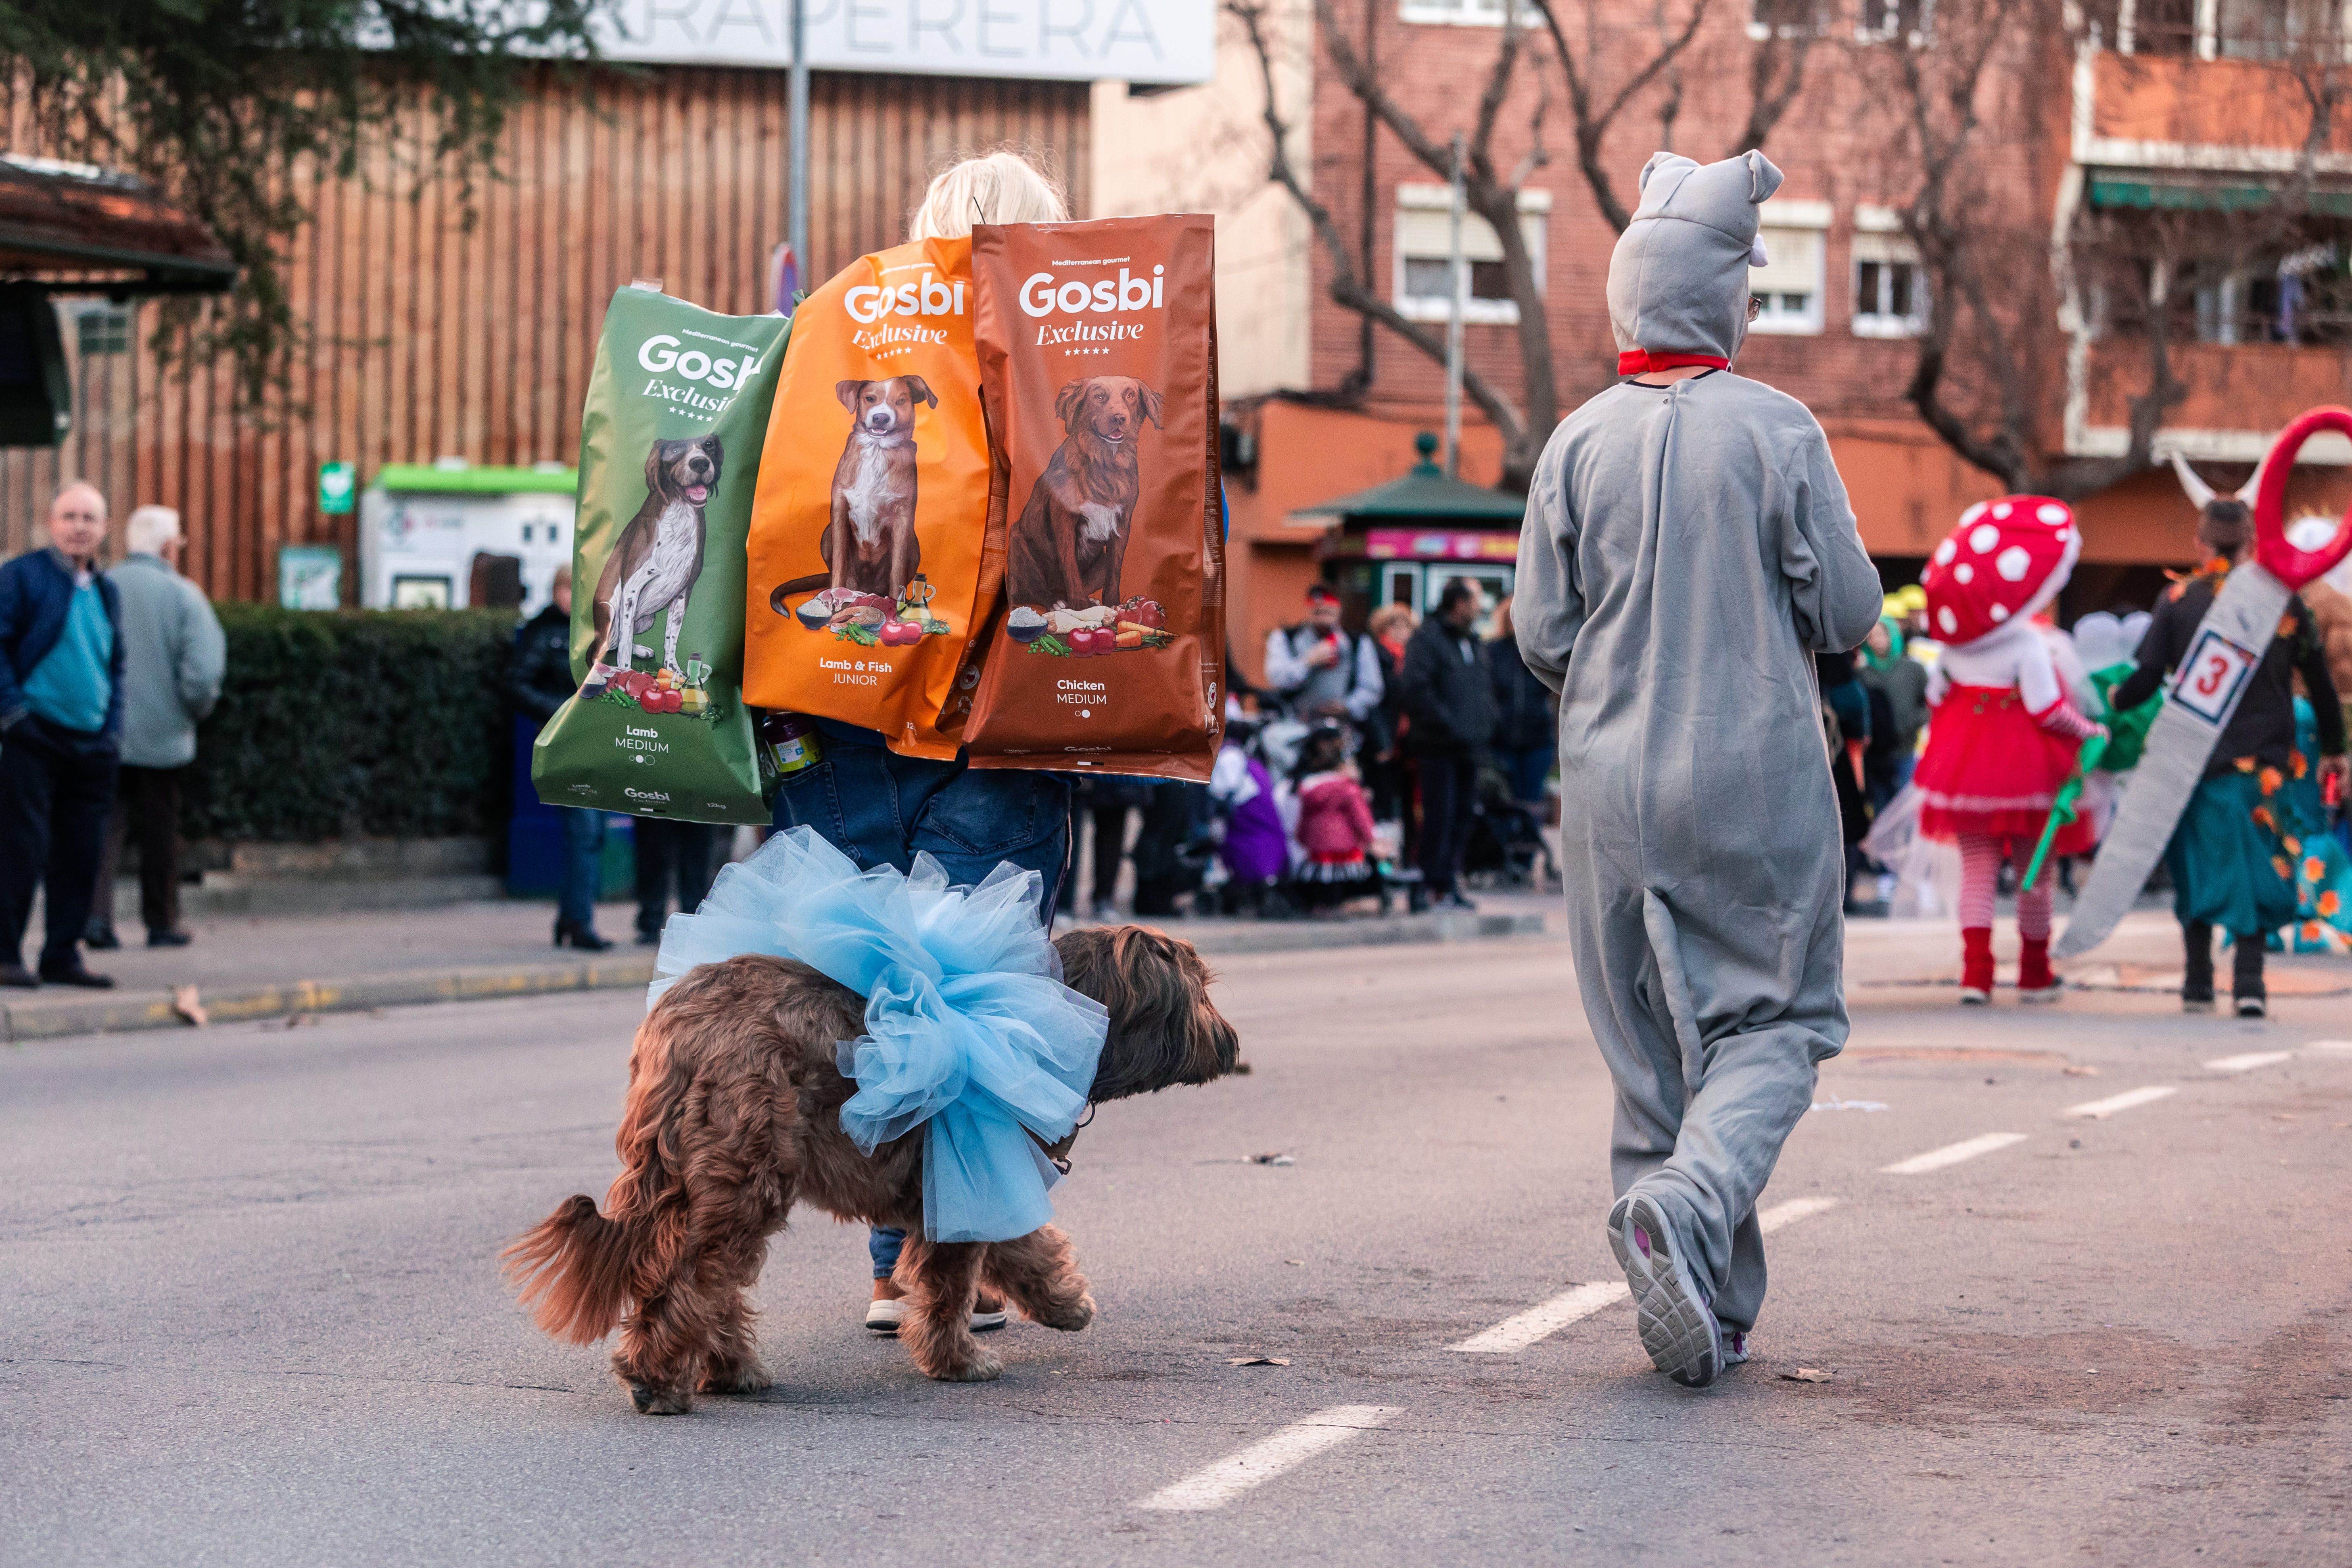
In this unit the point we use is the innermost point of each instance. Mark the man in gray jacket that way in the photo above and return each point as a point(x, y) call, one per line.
point(1687, 550)
point(173, 659)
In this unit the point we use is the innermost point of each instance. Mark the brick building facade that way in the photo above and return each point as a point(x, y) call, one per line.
point(2075, 116)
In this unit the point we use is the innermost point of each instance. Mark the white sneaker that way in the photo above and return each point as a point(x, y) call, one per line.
point(883, 1317)
point(1676, 1325)
point(1735, 1347)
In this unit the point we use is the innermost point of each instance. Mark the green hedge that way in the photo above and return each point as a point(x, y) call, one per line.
point(338, 725)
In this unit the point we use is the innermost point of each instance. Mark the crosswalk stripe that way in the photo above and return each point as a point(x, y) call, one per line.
point(1216, 1485)
point(1952, 1154)
point(1517, 1334)
point(2099, 1110)
point(2247, 1062)
point(1790, 1213)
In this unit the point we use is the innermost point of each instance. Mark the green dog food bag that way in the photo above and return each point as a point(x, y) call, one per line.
point(669, 448)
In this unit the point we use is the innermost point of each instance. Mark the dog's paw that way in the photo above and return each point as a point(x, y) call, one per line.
point(653, 1401)
point(1067, 1316)
point(751, 1379)
point(980, 1367)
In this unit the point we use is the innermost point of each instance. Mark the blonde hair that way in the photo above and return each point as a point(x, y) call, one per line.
point(149, 528)
point(1389, 615)
point(992, 187)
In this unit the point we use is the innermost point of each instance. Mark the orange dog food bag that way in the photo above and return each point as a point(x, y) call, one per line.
point(867, 525)
point(1097, 353)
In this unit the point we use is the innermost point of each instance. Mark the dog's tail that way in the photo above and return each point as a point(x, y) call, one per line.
point(579, 1270)
point(576, 1270)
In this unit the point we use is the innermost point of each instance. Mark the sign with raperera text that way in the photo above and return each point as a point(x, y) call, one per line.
point(1152, 41)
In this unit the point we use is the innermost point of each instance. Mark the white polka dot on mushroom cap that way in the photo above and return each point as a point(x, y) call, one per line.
point(2052, 513)
point(1945, 552)
point(1964, 572)
point(1948, 621)
point(2064, 533)
point(2002, 512)
point(2001, 612)
point(2013, 563)
point(1984, 538)
point(1973, 514)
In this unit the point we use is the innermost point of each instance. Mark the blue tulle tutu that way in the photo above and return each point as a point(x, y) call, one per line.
point(971, 1034)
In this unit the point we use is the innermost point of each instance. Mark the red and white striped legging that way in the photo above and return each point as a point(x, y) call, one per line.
point(1982, 854)
point(1980, 857)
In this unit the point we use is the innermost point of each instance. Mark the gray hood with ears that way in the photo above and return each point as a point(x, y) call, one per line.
point(1678, 277)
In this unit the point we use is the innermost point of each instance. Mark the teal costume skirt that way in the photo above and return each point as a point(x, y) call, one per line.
point(2229, 868)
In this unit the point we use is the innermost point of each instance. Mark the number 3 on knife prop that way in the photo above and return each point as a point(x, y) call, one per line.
point(2230, 642)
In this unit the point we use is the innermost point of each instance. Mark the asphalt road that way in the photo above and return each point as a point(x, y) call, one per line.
point(249, 1311)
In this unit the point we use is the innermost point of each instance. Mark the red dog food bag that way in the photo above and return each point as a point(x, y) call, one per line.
point(865, 569)
point(1097, 355)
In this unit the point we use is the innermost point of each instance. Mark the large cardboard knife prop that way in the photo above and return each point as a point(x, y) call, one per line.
point(2230, 642)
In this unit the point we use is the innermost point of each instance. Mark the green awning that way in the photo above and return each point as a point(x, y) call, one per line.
point(2189, 196)
point(1425, 494)
point(428, 479)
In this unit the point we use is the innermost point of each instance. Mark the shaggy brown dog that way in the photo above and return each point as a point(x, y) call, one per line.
point(734, 1114)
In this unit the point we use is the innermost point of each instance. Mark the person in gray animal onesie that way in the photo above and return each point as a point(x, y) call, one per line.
point(1687, 550)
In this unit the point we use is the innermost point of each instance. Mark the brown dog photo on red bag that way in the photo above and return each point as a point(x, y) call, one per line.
point(1069, 542)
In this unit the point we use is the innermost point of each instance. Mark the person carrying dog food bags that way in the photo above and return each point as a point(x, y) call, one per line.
point(669, 443)
point(1699, 830)
point(878, 797)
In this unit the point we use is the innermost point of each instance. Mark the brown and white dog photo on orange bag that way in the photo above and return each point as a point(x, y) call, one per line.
point(1068, 545)
point(870, 546)
point(734, 1116)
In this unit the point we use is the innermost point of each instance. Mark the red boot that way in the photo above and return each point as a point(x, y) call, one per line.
point(2035, 981)
point(1976, 966)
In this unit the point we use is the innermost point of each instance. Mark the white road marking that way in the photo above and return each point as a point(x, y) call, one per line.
point(2339, 1047)
point(1793, 1211)
point(1261, 1462)
point(2248, 1062)
point(1952, 1154)
point(2099, 1110)
point(1538, 1322)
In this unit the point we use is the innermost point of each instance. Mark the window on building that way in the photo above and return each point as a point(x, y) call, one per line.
point(2274, 29)
point(1424, 275)
point(1789, 282)
point(1890, 293)
point(1788, 18)
point(2303, 297)
point(2146, 26)
point(1895, 21)
point(103, 329)
point(1468, 13)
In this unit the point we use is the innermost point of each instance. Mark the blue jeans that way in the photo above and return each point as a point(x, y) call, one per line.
point(584, 867)
point(880, 808)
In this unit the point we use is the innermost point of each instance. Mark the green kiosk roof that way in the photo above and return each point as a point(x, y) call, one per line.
point(431, 479)
point(1424, 495)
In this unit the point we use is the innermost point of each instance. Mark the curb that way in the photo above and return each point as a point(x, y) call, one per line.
point(149, 1010)
point(21, 1026)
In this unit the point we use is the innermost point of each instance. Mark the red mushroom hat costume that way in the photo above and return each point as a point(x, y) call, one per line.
point(2004, 732)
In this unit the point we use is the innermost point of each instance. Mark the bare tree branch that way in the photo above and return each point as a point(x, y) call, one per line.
point(1348, 290)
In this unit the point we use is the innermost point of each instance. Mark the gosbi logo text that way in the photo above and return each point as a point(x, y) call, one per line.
point(1042, 295)
point(661, 353)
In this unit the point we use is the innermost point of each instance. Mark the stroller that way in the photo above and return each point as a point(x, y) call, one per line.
point(1507, 847)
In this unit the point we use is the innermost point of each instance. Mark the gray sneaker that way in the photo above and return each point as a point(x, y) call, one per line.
point(1677, 1327)
point(1735, 1347)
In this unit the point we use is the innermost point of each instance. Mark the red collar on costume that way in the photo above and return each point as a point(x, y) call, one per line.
point(1642, 361)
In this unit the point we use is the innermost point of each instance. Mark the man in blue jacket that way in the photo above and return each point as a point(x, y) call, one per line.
point(60, 726)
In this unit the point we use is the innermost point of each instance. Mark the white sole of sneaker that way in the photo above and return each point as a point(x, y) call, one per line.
point(1677, 1327)
point(883, 1317)
point(1970, 998)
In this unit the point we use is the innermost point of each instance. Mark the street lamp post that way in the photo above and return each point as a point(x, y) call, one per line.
point(797, 202)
